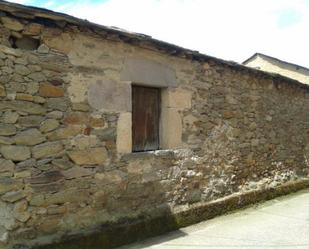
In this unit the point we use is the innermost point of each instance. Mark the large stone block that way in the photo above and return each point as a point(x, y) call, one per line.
point(32, 87)
point(82, 118)
point(49, 125)
point(10, 117)
point(13, 196)
point(8, 184)
point(60, 104)
point(7, 129)
point(109, 95)
point(22, 70)
point(46, 177)
point(64, 133)
point(176, 98)
point(25, 165)
point(171, 129)
point(23, 106)
point(55, 114)
point(82, 107)
point(10, 51)
point(6, 140)
point(47, 149)
point(83, 142)
point(78, 87)
point(6, 165)
point(89, 156)
point(12, 23)
point(29, 137)
point(105, 134)
point(69, 195)
point(37, 76)
point(62, 42)
point(148, 72)
point(30, 121)
point(20, 211)
point(95, 53)
point(63, 164)
point(96, 122)
point(2, 91)
point(33, 29)
point(6, 217)
point(48, 90)
point(77, 118)
point(77, 172)
point(124, 133)
point(15, 153)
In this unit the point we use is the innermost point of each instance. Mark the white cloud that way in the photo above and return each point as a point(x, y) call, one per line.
point(21, 1)
point(231, 30)
point(49, 4)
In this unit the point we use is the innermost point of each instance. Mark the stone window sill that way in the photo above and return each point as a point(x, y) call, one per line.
point(150, 154)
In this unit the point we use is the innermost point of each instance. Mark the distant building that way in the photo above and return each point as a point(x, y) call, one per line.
point(274, 65)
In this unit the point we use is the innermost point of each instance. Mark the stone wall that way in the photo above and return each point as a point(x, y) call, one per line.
point(65, 111)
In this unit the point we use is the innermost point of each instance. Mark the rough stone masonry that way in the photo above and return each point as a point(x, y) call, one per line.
point(66, 161)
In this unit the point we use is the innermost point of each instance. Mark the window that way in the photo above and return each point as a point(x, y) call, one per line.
point(145, 118)
point(26, 43)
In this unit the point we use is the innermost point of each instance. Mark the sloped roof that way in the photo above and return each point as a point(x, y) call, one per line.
point(142, 40)
point(273, 59)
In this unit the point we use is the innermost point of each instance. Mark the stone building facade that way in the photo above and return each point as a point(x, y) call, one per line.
point(273, 65)
point(229, 135)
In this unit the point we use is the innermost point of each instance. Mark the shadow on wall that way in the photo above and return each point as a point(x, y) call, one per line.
point(125, 231)
point(138, 211)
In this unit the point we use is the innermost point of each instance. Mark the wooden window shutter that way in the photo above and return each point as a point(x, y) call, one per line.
point(145, 118)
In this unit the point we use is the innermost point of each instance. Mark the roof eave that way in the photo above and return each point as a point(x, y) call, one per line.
point(32, 12)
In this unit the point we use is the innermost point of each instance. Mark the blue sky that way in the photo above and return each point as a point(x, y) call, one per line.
point(289, 17)
point(228, 29)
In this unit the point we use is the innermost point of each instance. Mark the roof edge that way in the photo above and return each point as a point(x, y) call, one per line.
point(29, 12)
point(250, 58)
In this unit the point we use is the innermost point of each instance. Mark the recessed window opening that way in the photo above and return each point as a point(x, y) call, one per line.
point(25, 42)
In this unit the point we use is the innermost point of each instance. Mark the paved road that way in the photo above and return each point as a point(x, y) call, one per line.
point(279, 223)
